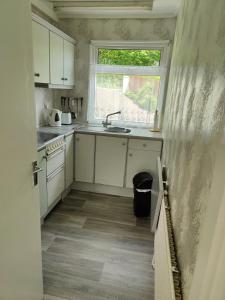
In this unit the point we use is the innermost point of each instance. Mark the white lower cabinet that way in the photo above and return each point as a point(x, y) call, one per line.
point(42, 183)
point(55, 185)
point(69, 159)
point(110, 160)
point(140, 161)
point(84, 157)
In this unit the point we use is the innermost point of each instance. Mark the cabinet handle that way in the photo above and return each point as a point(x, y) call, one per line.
point(62, 78)
point(65, 79)
point(144, 145)
point(36, 74)
point(130, 154)
point(124, 143)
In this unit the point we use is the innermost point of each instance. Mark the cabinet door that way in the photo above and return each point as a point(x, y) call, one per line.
point(68, 63)
point(40, 52)
point(69, 160)
point(110, 160)
point(84, 157)
point(140, 161)
point(56, 59)
point(42, 183)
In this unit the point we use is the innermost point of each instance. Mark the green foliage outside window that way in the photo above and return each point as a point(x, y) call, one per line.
point(129, 57)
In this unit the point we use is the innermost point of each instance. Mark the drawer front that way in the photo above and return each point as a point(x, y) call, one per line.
point(55, 161)
point(145, 145)
point(55, 185)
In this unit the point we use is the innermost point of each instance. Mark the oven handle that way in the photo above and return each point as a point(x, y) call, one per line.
point(56, 172)
point(56, 152)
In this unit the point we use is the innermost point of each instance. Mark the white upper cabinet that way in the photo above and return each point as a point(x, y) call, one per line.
point(68, 63)
point(56, 59)
point(40, 52)
point(53, 52)
point(110, 160)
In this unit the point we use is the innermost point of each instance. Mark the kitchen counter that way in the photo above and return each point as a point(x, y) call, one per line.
point(65, 130)
point(137, 133)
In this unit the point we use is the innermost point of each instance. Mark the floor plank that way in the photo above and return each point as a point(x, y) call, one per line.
point(95, 249)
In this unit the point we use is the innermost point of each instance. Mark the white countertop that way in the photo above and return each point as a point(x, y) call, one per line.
point(139, 133)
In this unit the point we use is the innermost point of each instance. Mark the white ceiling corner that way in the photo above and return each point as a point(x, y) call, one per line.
point(116, 8)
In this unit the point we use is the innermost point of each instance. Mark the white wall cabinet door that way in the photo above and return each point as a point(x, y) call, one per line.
point(42, 183)
point(40, 52)
point(56, 59)
point(69, 160)
point(84, 157)
point(68, 63)
point(140, 161)
point(110, 160)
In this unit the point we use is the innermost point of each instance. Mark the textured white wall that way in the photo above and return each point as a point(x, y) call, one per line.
point(84, 30)
point(194, 123)
point(42, 97)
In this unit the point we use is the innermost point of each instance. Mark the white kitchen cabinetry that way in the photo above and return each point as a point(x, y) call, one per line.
point(69, 159)
point(56, 59)
point(84, 157)
point(42, 183)
point(40, 52)
point(142, 156)
point(68, 60)
point(110, 160)
point(61, 61)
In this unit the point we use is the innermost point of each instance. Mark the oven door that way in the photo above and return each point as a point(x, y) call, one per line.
point(55, 184)
point(55, 160)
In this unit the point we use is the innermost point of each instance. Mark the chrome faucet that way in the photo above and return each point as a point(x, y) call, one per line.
point(106, 122)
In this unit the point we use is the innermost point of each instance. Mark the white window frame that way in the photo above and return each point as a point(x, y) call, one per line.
point(162, 70)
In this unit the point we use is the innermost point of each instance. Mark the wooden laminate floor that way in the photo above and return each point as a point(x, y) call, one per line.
point(95, 249)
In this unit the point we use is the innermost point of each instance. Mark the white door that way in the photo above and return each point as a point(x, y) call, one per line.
point(20, 249)
point(140, 161)
point(110, 160)
point(40, 52)
point(56, 59)
point(69, 159)
point(84, 157)
point(68, 63)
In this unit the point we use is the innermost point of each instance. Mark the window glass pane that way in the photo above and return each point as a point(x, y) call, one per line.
point(129, 57)
point(136, 96)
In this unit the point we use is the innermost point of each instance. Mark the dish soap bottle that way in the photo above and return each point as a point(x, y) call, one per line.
point(156, 122)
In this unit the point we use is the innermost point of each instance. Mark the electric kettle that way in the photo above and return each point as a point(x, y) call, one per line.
point(54, 117)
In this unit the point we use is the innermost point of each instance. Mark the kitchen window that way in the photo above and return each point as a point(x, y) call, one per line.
point(127, 77)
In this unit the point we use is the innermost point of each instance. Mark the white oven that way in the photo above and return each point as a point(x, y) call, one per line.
point(55, 155)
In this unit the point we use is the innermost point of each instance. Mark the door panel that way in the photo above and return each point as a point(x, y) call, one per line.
point(40, 52)
point(140, 161)
point(68, 63)
point(55, 185)
point(84, 157)
point(20, 250)
point(110, 160)
point(56, 59)
point(69, 159)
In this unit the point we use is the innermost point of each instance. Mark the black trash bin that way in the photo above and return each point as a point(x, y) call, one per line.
point(142, 194)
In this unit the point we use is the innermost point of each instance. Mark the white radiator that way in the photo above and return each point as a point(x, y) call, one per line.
point(167, 275)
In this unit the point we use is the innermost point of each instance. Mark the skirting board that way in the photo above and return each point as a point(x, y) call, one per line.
point(102, 189)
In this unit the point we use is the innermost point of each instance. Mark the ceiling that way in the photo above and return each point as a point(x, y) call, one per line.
point(115, 8)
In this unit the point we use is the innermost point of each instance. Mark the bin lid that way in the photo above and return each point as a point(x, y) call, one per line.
point(143, 180)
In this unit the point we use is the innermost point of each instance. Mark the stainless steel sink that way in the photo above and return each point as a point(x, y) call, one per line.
point(117, 130)
point(44, 137)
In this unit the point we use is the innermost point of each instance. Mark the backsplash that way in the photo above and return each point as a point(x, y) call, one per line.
point(42, 97)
